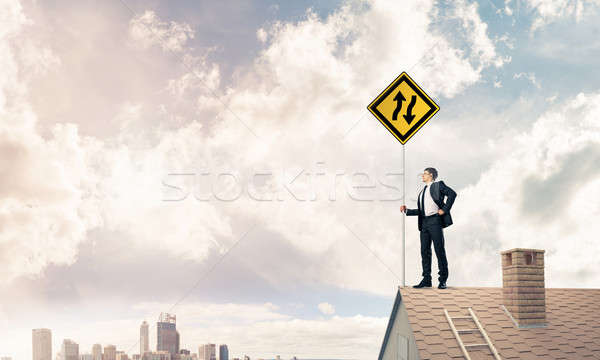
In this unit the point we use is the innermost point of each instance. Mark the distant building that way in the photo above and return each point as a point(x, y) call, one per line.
point(70, 350)
point(167, 337)
point(41, 344)
point(86, 357)
point(97, 351)
point(136, 357)
point(246, 357)
point(157, 355)
point(187, 355)
point(110, 353)
point(6, 358)
point(120, 355)
point(208, 352)
point(144, 338)
point(223, 352)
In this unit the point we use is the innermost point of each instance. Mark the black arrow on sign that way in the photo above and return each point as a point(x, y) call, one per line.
point(399, 98)
point(409, 115)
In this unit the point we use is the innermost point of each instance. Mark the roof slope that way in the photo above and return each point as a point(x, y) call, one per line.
point(390, 325)
point(573, 317)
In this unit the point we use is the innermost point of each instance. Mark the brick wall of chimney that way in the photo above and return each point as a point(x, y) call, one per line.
point(524, 293)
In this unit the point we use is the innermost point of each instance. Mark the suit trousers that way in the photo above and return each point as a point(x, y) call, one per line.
point(431, 231)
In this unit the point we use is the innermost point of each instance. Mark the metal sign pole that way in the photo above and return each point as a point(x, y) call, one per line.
point(399, 91)
point(404, 216)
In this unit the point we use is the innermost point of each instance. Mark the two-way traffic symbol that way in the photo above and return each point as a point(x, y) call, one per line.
point(403, 121)
point(399, 98)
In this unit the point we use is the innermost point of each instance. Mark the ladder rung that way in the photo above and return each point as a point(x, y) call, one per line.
point(466, 330)
point(472, 345)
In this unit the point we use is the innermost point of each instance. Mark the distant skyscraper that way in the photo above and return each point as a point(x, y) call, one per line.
point(110, 352)
point(223, 352)
point(97, 351)
point(208, 352)
point(70, 350)
point(42, 344)
point(120, 355)
point(167, 337)
point(86, 357)
point(144, 338)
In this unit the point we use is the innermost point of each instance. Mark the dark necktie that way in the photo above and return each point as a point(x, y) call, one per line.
point(423, 200)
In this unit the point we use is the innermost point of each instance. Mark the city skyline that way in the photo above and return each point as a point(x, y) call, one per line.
point(70, 350)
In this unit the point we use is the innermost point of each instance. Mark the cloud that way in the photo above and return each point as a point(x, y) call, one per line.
point(476, 30)
point(46, 206)
point(276, 334)
point(540, 187)
point(497, 83)
point(261, 35)
point(160, 138)
point(258, 330)
point(507, 10)
point(326, 308)
point(547, 12)
point(529, 76)
point(507, 40)
point(148, 30)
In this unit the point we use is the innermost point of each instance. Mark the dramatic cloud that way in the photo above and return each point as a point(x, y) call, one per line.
point(541, 199)
point(161, 147)
point(46, 197)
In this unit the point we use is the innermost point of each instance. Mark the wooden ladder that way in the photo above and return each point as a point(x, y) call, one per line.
point(457, 332)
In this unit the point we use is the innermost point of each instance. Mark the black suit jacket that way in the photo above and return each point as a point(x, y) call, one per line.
point(438, 191)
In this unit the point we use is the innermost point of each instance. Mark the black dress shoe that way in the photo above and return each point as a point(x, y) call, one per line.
point(442, 285)
point(422, 284)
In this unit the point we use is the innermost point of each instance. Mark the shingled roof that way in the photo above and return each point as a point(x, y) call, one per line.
point(572, 329)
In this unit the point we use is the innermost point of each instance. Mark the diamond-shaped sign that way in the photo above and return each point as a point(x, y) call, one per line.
point(403, 107)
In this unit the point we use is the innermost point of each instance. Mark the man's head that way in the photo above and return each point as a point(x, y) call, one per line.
point(429, 174)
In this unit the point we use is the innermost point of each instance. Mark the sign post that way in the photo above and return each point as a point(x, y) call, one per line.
point(403, 108)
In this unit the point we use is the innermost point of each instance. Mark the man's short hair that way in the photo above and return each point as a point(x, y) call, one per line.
point(432, 171)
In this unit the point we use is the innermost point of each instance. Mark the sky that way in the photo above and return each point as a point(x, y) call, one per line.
point(216, 160)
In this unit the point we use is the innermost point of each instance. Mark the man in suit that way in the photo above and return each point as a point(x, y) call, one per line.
point(434, 215)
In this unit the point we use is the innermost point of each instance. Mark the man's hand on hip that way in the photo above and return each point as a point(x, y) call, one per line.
point(441, 212)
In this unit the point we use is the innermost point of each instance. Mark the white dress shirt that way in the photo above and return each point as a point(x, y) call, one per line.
point(430, 205)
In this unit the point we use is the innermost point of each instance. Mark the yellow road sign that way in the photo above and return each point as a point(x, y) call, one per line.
point(403, 107)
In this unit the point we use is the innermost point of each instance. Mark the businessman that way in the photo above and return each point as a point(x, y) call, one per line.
point(434, 215)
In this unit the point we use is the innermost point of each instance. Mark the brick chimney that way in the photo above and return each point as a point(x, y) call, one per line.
point(523, 292)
